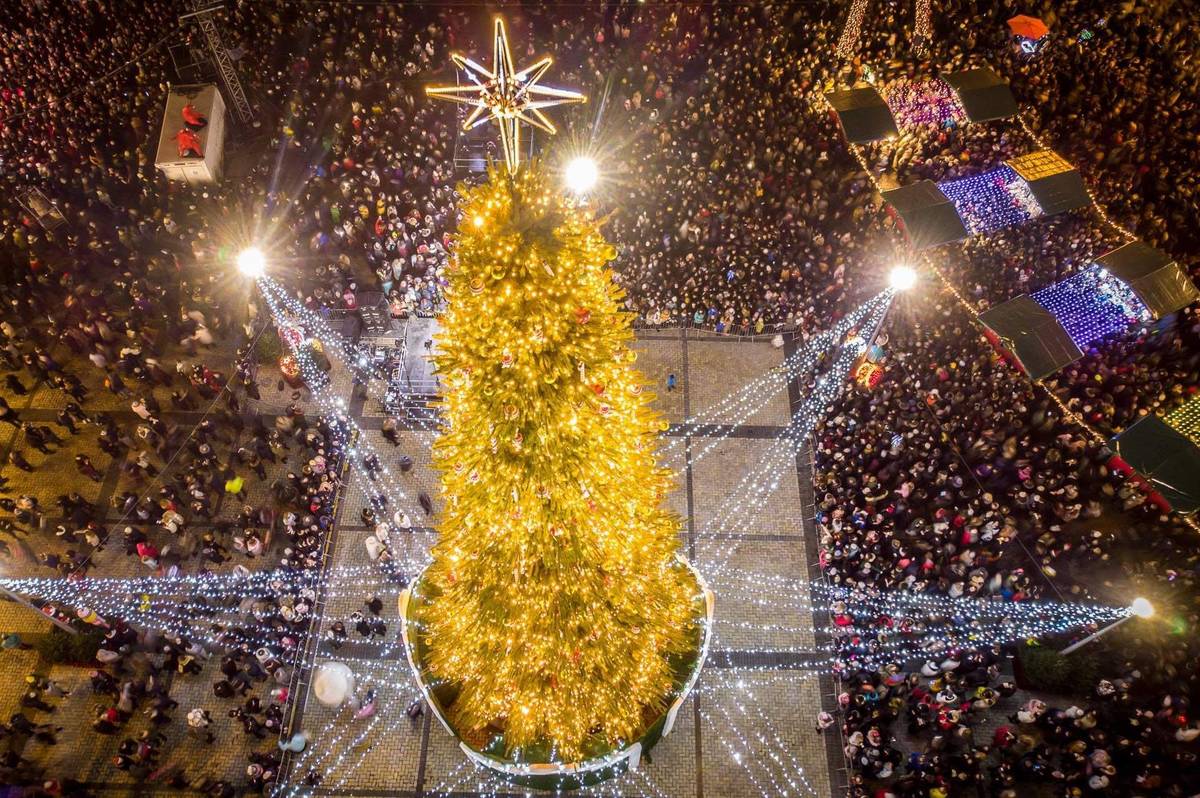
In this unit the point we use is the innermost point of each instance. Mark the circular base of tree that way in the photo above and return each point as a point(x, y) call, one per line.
point(547, 775)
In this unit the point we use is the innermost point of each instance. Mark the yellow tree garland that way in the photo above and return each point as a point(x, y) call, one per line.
point(558, 596)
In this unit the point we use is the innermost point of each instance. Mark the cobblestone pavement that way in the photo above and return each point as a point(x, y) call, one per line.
point(80, 753)
point(747, 730)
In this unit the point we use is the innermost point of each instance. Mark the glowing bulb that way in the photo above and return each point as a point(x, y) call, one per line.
point(1141, 607)
point(902, 278)
point(252, 263)
point(478, 220)
point(581, 175)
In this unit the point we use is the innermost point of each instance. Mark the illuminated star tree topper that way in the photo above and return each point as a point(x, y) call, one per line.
point(506, 95)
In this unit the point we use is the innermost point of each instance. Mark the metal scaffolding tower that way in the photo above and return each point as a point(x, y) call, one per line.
point(233, 86)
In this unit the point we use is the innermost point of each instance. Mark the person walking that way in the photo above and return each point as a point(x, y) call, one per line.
point(16, 458)
point(8, 414)
point(391, 430)
point(234, 485)
point(87, 468)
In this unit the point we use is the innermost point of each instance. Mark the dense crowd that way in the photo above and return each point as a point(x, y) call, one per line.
point(958, 477)
point(736, 206)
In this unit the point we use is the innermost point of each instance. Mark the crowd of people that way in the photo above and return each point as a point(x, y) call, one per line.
point(736, 206)
point(959, 477)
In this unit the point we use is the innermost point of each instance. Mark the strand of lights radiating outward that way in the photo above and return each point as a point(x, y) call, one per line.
point(761, 482)
point(893, 601)
point(452, 779)
point(137, 598)
point(220, 627)
point(335, 407)
point(742, 753)
point(742, 694)
point(335, 744)
point(749, 495)
point(266, 582)
point(758, 392)
point(344, 772)
point(333, 343)
point(335, 410)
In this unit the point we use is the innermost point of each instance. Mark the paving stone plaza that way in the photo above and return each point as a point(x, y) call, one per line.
point(748, 728)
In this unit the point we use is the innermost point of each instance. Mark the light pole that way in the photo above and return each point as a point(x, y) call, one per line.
point(252, 263)
point(581, 175)
point(1140, 608)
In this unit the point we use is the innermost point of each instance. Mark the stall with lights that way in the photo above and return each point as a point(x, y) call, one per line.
point(1045, 331)
point(1091, 305)
point(1029, 337)
point(950, 100)
point(1162, 458)
point(1024, 188)
point(993, 200)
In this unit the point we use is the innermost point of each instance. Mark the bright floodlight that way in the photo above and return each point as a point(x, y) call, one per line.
point(582, 175)
point(252, 263)
point(902, 278)
point(1141, 608)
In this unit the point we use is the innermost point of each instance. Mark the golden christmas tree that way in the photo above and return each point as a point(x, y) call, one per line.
point(557, 604)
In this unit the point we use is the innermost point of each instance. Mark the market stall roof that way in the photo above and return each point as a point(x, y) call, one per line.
point(983, 94)
point(928, 215)
point(1168, 460)
point(863, 113)
point(1056, 185)
point(1033, 336)
point(1157, 280)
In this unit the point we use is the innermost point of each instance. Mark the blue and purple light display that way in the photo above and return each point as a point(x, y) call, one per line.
point(1091, 305)
point(914, 103)
point(992, 200)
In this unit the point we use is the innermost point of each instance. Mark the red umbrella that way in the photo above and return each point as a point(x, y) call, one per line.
point(1029, 27)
